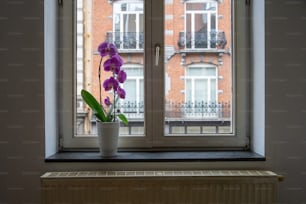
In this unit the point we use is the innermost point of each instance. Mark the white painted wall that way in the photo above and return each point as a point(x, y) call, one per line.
point(22, 103)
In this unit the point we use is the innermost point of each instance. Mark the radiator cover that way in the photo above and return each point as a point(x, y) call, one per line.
point(160, 187)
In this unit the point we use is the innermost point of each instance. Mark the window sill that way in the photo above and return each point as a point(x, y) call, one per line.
point(157, 156)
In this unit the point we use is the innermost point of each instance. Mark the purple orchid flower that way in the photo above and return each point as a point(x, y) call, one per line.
point(111, 83)
point(107, 101)
point(121, 92)
point(106, 48)
point(113, 64)
point(121, 76)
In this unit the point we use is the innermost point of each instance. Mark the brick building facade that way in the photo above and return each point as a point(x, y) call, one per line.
point(197, 49)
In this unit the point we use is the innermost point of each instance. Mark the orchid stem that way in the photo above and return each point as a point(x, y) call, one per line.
point(99, 74)
point(114, 104)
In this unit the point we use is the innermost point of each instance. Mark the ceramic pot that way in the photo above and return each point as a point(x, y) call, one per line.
point(108, 134)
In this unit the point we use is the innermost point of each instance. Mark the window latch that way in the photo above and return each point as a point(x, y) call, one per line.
point(60, 2)
point(157, 54)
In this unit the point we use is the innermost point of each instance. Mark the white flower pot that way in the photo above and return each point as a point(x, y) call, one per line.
point(108, 134)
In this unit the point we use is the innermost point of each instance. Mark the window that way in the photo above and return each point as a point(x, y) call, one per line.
point(133, 105)
point(191, 96)
point(201, 92)
point(134, 101)
point(128, 25)
point(201, 24)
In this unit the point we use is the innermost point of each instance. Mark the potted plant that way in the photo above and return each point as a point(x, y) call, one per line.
point(107, 113)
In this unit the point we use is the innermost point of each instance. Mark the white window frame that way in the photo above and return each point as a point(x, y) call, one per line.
point(122, 13)
point(192, 102)
point(193, 32)
point(154, 108)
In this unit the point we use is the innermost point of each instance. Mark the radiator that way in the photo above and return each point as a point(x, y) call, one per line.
point(160, 187)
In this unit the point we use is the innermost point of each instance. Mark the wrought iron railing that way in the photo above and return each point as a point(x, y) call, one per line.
point(190, 109)
point(202, 40)
point(126, 40)
point(132, 109)
point(198, 110)
point(186, 114)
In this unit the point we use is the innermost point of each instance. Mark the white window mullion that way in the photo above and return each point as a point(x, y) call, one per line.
point(208, 30)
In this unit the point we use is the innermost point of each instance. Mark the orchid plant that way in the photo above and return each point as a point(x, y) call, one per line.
point(107, 112)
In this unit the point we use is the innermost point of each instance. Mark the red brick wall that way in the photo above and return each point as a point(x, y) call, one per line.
point(102, 22)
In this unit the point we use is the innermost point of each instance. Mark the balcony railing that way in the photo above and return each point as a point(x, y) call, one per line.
point(126, 40)
point(186, 114)
point(202, 40)
point(199, 110)
point(132, 109)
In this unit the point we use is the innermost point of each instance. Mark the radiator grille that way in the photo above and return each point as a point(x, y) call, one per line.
point(160, 187)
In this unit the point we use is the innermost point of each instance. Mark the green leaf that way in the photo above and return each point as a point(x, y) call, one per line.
point(123, 118)
point(94, 105)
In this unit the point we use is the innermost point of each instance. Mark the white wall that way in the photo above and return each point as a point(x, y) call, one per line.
point(22, 103)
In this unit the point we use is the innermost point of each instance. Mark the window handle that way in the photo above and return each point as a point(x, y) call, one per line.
point(157, 53)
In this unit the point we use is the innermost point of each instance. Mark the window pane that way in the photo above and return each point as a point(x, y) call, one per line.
point(135, 99)
point(130, 86)
point(201, 6)
point(201, 24)
point(200, 28)
point(213, 90)
point(189, 37)
point(200, 93)
point(200, 90)
point(129, 31)
point(198, 71)
point(121, 23)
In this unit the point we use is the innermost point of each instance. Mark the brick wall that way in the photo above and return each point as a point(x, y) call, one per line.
point(175, 69)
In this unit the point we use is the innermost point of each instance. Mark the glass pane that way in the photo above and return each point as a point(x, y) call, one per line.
point(213, 90)
point(213, 33)
point(198, 71)
point(200, 76)
point(120, 23)
point(189, 38)
point(130, 86)
point(129, 31)
point(200, 90)
point(140, 43)
point(200, 31)
point(141, 91)
point(132, 106)
point(201, 6)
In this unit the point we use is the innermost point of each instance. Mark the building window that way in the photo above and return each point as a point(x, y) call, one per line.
point(176, 98)
point(128, 25)
point(201, 24)
point(134, 101)
point(133, 105)
point(201, 92)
